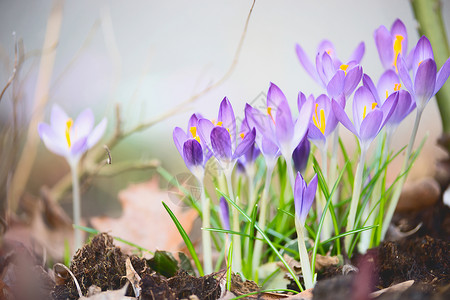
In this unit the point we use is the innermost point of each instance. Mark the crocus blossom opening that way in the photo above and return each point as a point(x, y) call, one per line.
point(425, 82)
point(304, 196)
point(391, 43)
point(68, 138)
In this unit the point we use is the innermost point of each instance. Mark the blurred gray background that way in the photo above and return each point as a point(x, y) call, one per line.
point(149, 56)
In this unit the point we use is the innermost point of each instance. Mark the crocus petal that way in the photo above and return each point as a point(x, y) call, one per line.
point(299, 188)
point(387, 83)
point(58, 118)
point(404, 74)
point(326, 46)
point(84, 123)
point(362, 101)
point(301, 99)
point(442, 76)
point(221, 144)
point(192, 154)
point(51, 140)
point(422, 52)
point(425, 81)
point(358, 53)
point(179, 137)
point(268, 148)
point(389, 107)
point(306, 62)
point(262, 122)
point(301, 154)
point(352, 80)
point(340, 114)
point(405, 105)
point(383, 41)
point(368, 83)
point(398, 28)
point(204, 129)
point(245, 144)
point(226, 116)
point(336, 85)
point(79, 147)
point(284, 129)
point(316, 136)
point(328, 66)
point(97, 133)
point(302, 123)
point(193, 120)
point(308, 197)
point(370, 126)
point(276, 99)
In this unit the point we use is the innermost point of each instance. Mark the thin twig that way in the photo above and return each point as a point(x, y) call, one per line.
point(13, 75)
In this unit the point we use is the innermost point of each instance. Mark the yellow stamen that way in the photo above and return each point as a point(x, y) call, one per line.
point(193, 131)
point(387, 94)
point(374, 104)
point(319, 122)
point(344, 68)
point(242, 135)
point(419, 63)
point(219, 123)
point(364, 112)
point(69, 124)
point(330, 52)
point(269, 112)
point(397, 87)
point(397, 49)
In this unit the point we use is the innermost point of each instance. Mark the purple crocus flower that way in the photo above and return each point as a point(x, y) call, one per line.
point(220, 138)
point(368, 117)
point(388, 84)
point(304, 196)
point(224, 213)
point(333, 75)
point(278, 126)
point(391, 43)
point(425, 83)
point(260, 121)
point(253, 151)
point(68, 138)
point(191, 148)
point(323, 121)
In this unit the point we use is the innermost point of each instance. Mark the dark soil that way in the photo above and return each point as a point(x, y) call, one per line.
point(102, 264)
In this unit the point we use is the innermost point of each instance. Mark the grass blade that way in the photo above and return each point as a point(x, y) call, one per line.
point(186, 240)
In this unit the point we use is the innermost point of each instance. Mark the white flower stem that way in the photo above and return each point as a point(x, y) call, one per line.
point(76, 202)
point(262, 217)
point(355, 196)
point(237, 257)
point(206, 235)
point(398, 188)
point(304, 257)
point(251, 188)
point(326, 229)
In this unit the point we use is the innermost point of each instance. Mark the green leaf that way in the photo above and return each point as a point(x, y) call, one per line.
point(294, 276)
point(186, 239)
point(185, 263)
point(164, 263)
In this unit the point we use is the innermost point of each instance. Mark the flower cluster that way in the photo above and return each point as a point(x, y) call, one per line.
point(408, 83)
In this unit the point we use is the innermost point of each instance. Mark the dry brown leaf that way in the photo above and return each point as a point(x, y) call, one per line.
point(110, 295)
point(325, 261)
point(47, 226)
point(144, 220)
point(400, 287)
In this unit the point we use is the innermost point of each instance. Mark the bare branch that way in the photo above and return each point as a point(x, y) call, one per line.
point(13, 75)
